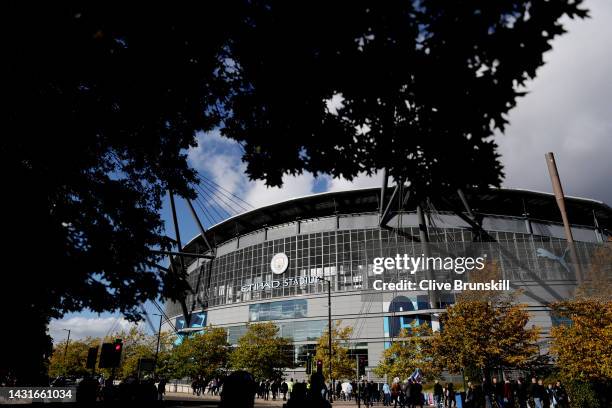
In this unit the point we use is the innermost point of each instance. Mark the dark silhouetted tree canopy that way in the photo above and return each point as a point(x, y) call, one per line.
point(102, 100)
point(430, 80)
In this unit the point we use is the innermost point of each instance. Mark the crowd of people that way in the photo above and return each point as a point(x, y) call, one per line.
point(510, 394)
point(274, 388)
point(131, 389)
point(315, 392)
point(409, 393)
point(404, 394)
point(240, 390)
point(199, 386)
point(504, 394)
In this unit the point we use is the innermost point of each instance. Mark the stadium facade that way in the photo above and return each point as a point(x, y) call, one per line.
point(267, 261)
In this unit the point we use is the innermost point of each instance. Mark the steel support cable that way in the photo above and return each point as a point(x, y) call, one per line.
point(206, 197)
point(214, 215)
point(110, 329)
point(202, 176)
point(219, 208)
point(165, 316)
point(227, 191)
point(224, 193)
point(222, 199)
point(204, 212)
point(214, 205)
point(216, 200)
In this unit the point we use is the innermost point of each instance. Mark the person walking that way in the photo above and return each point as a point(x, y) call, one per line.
point(537, 393)
point(284, 388)
point(406, 394)
point(290, 387)
point(386, 394)
point(487, 392)
point(551, 396)
point(161, 389)
point(417, 396)
point(396, 392)
point(498, 392)
point(261, 389)
point(362, 392)
point(508, 394)
point(561, 395)
point(372, 393)
point(450, 395)
point(266, 390)
point(274, 387)
point(521, 393)
point(347, 390)
point(470, 396)
point(438, 394)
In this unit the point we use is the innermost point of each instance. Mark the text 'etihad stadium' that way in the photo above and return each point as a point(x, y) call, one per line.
point(302, 280)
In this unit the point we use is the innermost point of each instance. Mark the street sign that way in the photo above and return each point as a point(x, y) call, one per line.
point(146, 364)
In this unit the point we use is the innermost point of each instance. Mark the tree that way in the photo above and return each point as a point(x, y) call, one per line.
point(484, 335)
point(423, 86)
point(72, 360)
point(262, 352)
point(583, 347)
point(409, 351)
point(138, 345)
point(342, 365)
point(95, 135)
point(202, 354)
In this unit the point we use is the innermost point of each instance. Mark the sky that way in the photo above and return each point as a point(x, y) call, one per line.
point(568, 110)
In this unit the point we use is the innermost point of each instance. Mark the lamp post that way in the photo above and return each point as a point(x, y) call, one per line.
point(67, 341)
point(329, 337)
point(158, 337)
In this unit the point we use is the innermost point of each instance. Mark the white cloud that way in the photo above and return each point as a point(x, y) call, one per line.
point(82, 327)
point(361, 181)
point(220, 158)
point(293, 186)
point(568, 111)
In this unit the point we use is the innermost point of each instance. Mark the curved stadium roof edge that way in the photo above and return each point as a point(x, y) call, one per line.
point(502, 201)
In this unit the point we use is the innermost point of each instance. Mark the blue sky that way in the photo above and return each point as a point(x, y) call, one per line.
point(567, 111)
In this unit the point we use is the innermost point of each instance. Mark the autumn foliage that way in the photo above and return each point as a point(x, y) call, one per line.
point(583, 347)
point(409, 351)
point(484, 335)
point(343, 366)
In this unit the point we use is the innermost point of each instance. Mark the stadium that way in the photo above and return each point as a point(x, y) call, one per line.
point(273, 263)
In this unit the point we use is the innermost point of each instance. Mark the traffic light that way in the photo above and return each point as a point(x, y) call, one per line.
point(362, 365)
point(319, 367)
point(92, 356)
point(118, 346)
point(309, 364)
point(110, 356)
point(106, 355)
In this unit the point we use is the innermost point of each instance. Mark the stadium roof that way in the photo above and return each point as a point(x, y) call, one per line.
point(509, 202)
